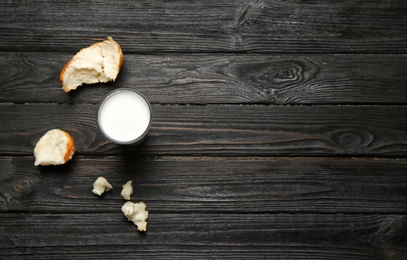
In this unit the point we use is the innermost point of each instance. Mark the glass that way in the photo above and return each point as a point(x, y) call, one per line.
point(124, 116)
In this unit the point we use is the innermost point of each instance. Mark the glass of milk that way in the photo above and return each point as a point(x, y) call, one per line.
point(124, 116)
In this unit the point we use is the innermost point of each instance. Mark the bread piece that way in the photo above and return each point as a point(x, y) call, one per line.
point(137, 213)
point(101, 185)
point(54, 148)
point(127, 190)
point(100, 62)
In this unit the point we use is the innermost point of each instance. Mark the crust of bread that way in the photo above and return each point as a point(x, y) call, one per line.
point(61, 75)
point(70, 147)
point(120, 51)
point(54, 148)
point(68, 64)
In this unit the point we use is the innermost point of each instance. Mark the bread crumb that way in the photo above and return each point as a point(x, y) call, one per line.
point(137, 213)
point(101, 185)
point(127, 190)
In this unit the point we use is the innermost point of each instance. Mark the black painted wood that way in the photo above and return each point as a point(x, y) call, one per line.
point(279, 130)
point(221, 130)
point(207, 26)
point(209, 184)
point(175, 236)
point(225, 79)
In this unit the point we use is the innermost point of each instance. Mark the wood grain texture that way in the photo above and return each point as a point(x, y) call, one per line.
point(207, 26)
point(186, 236)
point(279, 130)
point(224, 79)
point(220, 130)
point(216, 185)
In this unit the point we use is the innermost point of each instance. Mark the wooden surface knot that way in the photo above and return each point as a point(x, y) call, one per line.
point(353, 141)
point(12, 190)
point(22, 186)
point(271, 78)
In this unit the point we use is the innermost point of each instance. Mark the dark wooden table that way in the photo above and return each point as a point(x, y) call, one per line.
point(279, 131)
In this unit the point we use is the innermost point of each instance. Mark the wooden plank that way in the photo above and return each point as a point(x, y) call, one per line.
point(203, 79)
point(212, 184)
point(221, 130)
point(178, 236)
point(207, 26)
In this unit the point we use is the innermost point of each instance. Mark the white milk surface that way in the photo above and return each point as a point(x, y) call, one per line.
point(124, 116)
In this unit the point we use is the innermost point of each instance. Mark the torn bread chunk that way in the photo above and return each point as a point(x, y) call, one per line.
point(101, 185)
point(56, 147)
point(127, 190)
point(100, 62)
point(137, 213)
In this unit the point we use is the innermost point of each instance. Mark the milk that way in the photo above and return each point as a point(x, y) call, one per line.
point(124, 116)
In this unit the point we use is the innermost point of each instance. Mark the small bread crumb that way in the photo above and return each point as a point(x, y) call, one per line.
point(101, 185)
point(127, 190)
point(137, 213)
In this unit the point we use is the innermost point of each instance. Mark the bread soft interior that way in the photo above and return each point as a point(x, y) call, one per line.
point(99, 62)
point(54, 148)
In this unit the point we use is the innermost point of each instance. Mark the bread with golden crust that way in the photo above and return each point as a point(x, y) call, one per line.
point(56, 147)
point(98, 63)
